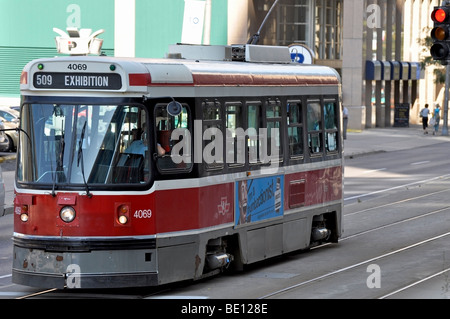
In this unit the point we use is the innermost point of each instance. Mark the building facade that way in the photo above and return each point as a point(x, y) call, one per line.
point(386, 31)
point(343, 34)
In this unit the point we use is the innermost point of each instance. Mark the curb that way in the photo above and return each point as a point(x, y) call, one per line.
point(354, 155)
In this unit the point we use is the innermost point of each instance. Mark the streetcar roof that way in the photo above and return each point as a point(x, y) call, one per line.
point(140, 74)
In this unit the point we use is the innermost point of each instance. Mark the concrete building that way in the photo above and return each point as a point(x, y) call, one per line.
point(385, 31)
point(344, 34)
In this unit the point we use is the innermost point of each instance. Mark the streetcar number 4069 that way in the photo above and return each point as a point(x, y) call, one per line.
point(77, 66)
point(143, 213)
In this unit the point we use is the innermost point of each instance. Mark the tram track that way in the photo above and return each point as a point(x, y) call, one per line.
point(396, 223)
point(348, 268)
point(405, 200)
point(418, 282)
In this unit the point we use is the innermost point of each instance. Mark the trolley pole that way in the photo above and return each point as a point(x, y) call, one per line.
point(447, 80)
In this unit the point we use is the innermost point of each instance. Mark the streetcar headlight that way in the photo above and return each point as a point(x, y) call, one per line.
point(123, 219)
point(24, 217)
point(24, 213)
point(67, 214)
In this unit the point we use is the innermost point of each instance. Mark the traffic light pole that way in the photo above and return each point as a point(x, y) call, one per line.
point(447, 80)
point(447, 84)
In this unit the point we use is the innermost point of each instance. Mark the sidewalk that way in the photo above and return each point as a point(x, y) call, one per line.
point(376, 140)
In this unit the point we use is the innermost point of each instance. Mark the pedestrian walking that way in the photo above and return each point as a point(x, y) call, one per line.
point(345, 116)
point(424, 115)
point(436, 118)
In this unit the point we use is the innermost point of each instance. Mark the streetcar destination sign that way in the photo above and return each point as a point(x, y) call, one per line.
point(89, 81)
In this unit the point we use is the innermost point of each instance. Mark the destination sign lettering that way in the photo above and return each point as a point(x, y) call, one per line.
point(70, 81)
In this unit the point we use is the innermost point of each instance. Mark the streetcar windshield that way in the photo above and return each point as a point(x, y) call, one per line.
point(64, 144)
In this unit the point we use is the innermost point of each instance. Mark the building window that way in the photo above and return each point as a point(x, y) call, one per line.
point(328, 29)
point(315, 23)
point(293, 22)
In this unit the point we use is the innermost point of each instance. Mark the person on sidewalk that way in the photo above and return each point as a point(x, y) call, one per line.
point(436, 118)
point(424, 115)
point(345, 116)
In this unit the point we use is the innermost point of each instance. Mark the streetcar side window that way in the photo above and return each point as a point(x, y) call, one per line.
point(254, 124)
point(235, 135)
point(331, 114)
point(295, 129)
point(212, 135)
point(315, 127)
point(273, 122)
point(173, 140)
point(211, 111)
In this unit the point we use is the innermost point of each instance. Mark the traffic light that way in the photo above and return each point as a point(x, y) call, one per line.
point(440, 50)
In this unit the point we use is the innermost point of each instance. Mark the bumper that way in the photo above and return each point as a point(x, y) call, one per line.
point(95, 269)
point(61, 281)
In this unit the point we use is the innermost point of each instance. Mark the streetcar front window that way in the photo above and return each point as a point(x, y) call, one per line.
point(66, 144)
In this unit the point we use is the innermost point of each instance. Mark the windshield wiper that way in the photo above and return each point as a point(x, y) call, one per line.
point(80, 158)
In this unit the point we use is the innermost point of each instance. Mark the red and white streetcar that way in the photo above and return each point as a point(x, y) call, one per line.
point(141, 172)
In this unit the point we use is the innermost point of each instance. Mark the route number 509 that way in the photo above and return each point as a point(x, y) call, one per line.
point(143, 213)
point(42, 79)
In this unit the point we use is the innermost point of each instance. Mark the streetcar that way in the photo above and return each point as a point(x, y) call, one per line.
point(142, 172)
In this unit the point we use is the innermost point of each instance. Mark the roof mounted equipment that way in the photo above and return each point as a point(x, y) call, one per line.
point(78, 42)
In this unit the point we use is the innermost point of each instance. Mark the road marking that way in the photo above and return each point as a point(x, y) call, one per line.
point(5, 276)
point(420, 163)
point(374, 170)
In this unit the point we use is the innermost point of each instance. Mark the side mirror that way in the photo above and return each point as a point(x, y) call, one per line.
point(174, 108)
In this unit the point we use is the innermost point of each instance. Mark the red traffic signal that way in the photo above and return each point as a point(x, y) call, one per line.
point(440, 14)
point(441, 33)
